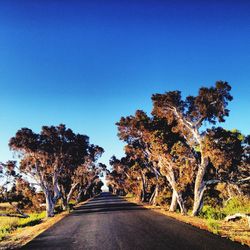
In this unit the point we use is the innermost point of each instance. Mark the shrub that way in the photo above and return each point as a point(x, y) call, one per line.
point(209, 212)
point(238, 204)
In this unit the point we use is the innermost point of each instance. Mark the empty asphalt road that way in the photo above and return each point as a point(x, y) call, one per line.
point(109, 222)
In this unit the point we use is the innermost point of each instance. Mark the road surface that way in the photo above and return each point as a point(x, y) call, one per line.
point(109, 222)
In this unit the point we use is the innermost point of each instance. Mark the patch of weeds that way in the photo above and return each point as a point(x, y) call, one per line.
point(33, 220)
point(213, 225)
point(9, 224)
point(239, 204)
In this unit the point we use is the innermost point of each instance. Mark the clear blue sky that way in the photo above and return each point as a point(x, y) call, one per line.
point(87, 63)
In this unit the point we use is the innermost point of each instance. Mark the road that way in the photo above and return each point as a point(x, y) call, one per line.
point(109, 222)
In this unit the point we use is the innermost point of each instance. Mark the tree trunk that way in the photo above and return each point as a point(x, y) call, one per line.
point(79, 196)
point(57, 192)
point(18, 210)
point(143, 187)
point(50, 204)
point(180, 202)
point(174, 203)
point(71, 192)
point(176, 193)
point(154, 195)
point(199, 187)
point(64, 204)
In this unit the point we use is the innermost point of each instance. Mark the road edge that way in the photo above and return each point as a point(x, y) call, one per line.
point(185, 219)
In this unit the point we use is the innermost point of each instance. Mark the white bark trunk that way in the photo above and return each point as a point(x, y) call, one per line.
point(50, 205)
point(169, 173)
point(71, 192)
point(199, 187)
point(154, 195)
point(173, 204)
point(178, 195)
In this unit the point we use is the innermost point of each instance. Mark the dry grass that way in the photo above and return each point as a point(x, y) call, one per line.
point(236, 231)
point(22, 236)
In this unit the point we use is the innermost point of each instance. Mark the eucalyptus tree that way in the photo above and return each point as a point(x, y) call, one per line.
point(167, 152)
point(81, 177)
point(228, 152)
point(49, 158)
point(132, 130)
point(190, 116)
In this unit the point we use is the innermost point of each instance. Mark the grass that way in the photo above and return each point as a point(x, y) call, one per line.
point(16, 232)
point(22, 235)
point(9, 224)
point(213, 225)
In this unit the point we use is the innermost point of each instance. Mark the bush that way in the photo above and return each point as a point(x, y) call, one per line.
point(239, 204)
point(209, 212)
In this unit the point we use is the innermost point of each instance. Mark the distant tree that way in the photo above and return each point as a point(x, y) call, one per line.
point(16, 190)
point(81, 178)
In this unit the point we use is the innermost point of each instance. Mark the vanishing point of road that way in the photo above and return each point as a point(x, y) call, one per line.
point(110, 222)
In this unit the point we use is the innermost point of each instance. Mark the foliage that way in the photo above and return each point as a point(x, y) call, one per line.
point(239, 204)
point(180, 148)
point(61, 163)
point(214, 213)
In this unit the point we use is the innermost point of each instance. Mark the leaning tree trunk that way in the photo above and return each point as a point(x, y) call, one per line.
point(143, 187)
point(177, 193)
point(18, 210)
point(173, 205)
point(180, 202)
point(69, 196)
point(156, 191)
point(80, 194)
point(154, 195)
point(168, 171)
point(199, 187)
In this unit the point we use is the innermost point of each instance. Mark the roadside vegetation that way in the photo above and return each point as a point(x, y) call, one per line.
point(9, 224)
point(180, 158)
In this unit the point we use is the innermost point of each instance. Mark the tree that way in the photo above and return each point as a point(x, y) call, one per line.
point(16, 190)
point(50, 158)
point(190, 115)
point(166, 151)
point(81, 177)
point(134, 131)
